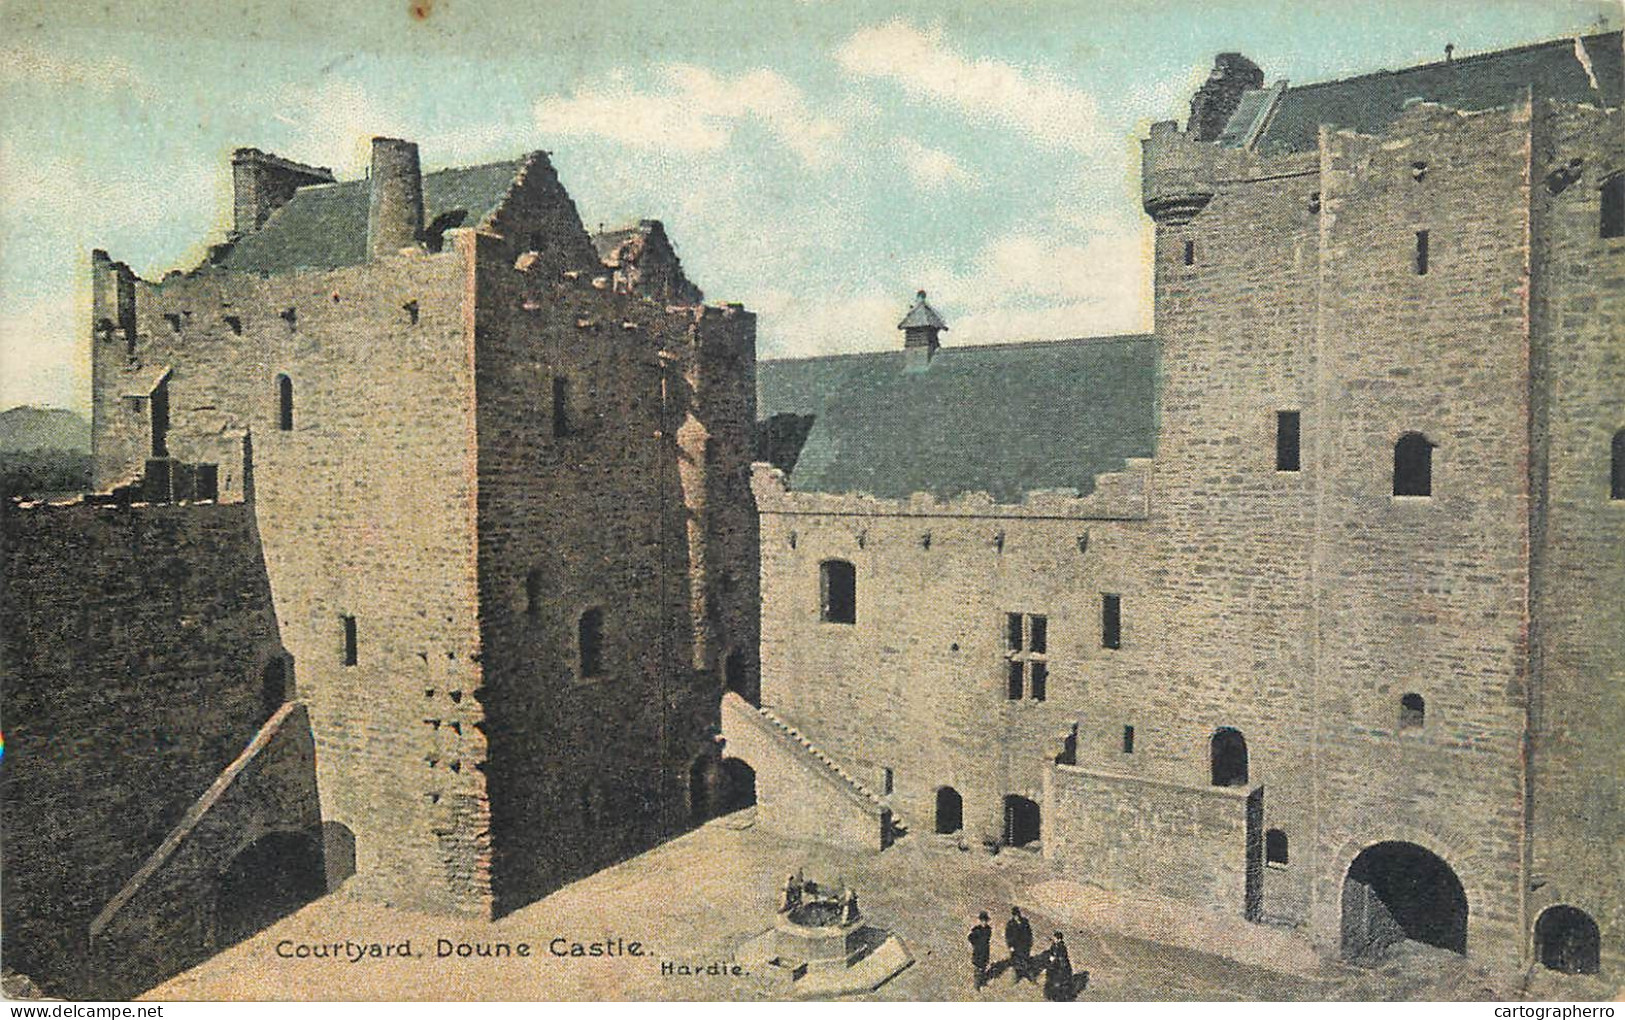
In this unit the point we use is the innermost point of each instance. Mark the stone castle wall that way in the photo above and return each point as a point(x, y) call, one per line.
point(135, 646)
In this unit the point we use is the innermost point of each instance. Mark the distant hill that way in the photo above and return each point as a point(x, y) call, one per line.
point(43, 428)
point(43, 450)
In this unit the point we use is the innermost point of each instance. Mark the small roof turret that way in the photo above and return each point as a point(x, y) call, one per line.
point(922, 316)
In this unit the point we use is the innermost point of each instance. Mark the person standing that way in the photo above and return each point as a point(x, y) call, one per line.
point(1058, 971)
point(1018, 937)
point(981, 949)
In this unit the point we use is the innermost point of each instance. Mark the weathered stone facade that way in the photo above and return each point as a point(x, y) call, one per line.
point(503, 505)
point(1434, 671)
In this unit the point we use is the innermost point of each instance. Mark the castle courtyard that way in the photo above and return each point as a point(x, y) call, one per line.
point(690, 902)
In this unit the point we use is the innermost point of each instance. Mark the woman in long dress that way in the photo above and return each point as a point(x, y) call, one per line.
point(1058, 971)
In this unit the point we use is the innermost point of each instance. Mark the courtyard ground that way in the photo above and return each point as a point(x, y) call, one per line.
point(695, 899)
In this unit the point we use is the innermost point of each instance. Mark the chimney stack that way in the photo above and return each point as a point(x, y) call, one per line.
point(395, 197)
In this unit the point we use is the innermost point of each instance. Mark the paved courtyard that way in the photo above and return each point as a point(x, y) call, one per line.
point(694, 900)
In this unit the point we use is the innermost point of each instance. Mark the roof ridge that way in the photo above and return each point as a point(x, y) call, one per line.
point(1072, 341)
point(1470, 58)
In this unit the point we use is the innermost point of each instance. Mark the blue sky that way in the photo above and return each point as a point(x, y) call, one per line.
point(819, 161)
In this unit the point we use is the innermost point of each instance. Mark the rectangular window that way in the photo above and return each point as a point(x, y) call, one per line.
point(1026, 647)
point(1613, 206)
point(1111, 621)
point(1128, 740)
point(349, 640)
point(838, 592)
point(1421, 253)
point(887, 781)
point(1190, 253)
point(1286, 440)
point(561, 407)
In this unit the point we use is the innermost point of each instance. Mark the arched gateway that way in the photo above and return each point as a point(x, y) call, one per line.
point(1396, 891)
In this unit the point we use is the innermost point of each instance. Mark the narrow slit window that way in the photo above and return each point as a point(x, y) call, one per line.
point(284, 403)
point(561, 407)
point(1111, 621)
point(1421, 253)
point(590, 643)
point(350, 648)
point(1616, 474)
point(1287, 438)
point(1128, 740)
point(1190, 253)
point(1613, 206)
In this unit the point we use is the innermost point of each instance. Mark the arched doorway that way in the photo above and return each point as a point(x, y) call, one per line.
point(1396, 891)
point(1567, 940)
point(1021, 821)
point(268, 880)
point(733, 673)
point(950, 810)
point(700, 778)
point(1228, 752)
point(738, 786)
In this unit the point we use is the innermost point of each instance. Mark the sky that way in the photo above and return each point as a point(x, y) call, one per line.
point(817, 160)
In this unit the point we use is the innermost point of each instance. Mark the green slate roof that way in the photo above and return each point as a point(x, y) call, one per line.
point(324, 226)
point(1006, 419)
point(1371, 102)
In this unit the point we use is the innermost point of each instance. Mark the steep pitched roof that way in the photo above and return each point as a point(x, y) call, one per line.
point(324, 226)
point(1006, 419)
point(1369, 103)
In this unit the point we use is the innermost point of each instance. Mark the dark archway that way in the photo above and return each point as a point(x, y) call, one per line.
point(284, 403)
point(950, 810)
point(1396, 891)
point(1021, 821)
point(270, 879)
point(733, 674)
point(738, 786)
point(338, 853)
point(1413, 465)
point(1228, 752)
point(1567, 940)
point(701, 775)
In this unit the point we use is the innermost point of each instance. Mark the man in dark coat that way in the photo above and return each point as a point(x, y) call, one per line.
point(981, 949)
point(1058, 972)
point(1018, 936)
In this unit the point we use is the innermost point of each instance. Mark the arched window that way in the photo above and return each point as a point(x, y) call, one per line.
point(1413, 465)
point(1275, 847)
point(284, 403)
point(590, 643)
point(838, 590)
point(1616, 476)
point(1412, 711)
point(1228, 751)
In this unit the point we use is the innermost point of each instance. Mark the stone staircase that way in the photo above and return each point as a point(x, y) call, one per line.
point(814, 761)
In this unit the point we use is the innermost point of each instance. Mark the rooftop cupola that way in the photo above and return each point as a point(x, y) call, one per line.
point(920, 328)
point(395, 197)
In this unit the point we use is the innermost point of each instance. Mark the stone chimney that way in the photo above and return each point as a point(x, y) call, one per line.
point(1217, 99)
point(920, 328)
point(395, 197)
point(262, 183)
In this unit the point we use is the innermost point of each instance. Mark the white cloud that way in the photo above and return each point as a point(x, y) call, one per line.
point(45, 353)
point(1030, 286)
point(28, 65)
point(1033, 101)
point(692, 110)
point(335, 122)
point(932, 169)
point(798, 324)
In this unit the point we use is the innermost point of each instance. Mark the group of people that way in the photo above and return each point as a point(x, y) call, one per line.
point(1054, 963)
point(799, 890)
